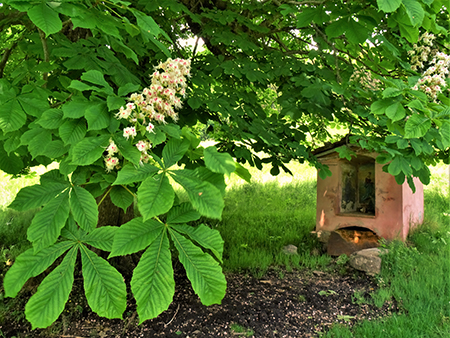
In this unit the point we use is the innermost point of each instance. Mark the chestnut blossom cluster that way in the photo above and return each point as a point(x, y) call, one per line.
point(155, 103)
point(432, 81)
point(111, 161)
point(161, 98)
point(365, 79)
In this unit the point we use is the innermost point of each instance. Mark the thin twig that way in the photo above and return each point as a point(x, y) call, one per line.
point(176, 311)
point(57, 104)
point(195, 47)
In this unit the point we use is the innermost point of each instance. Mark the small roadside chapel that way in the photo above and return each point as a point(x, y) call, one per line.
point(362, 202)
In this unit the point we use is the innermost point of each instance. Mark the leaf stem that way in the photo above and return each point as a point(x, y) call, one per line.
point(125, 187)
point(104, 196)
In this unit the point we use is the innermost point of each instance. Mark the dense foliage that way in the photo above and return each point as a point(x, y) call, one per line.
point(270, 76)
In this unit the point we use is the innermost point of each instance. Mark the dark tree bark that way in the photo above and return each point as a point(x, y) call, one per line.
point(110, 214)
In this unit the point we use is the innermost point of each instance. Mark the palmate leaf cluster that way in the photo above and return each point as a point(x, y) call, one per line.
point(269, 76)
point(67, 224)
point(60, 106)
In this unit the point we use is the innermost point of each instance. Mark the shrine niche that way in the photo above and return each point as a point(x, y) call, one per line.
point(360, 197)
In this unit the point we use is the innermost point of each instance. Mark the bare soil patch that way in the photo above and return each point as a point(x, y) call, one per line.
point(281, 304)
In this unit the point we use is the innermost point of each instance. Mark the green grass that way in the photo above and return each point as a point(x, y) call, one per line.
point(240, 330)
point(261, 218)
point(13, 224)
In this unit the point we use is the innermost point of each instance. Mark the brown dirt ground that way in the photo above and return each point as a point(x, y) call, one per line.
point(281, 304)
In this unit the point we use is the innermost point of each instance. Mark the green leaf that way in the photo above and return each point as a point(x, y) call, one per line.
point(55, 149)
point(72, 232)
point(135, 235)
point(383, 158)
point(155, 196)
point(243, 172)
point(10, 164)
point(103, 285)
point(101, 238)
point(51, 119)
point(153, 285)
point(34, 139)
point(182, 213)
point(72, 131)
point(345, 152)
point(35, 196)
point(13, 142)
point(217, 180)
point(146, 23)
point(28, 264)
point(90, 149)
point(119, 46)
point(84, 208)
point(305, 17)
point(127, 150)
point(417, 126)
point(47, 224)
point(157, 137)
point(204, 196)
point(114, 102)
point(130, 174)
point(398, 165)
point(217, 162)
point(76, 108)
point(202, 270)
point(415, 11)
point(53, 176)
point(194, 102)
point(121, 197)
point(204, 236)
point(174, 151)
point(45, 18)
point(444, 131)
point(356, 33)
point(388, 6)
point(336, 28)
point(171, 129)
point(402, 144)
point(97, 116)
point(416, 104)
point(95, 77)
point(324, 172)
point(391, 92)
point(127, 88)
point(400, 178)
point(12, 116)
point(415, 162)
point(410, 33)
point(379, 107)
point(81, 86)
point(411, 184)
point(424, 175)
point(395, 112)
point(45, 306)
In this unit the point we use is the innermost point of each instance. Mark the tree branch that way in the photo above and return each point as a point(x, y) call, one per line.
point(5, 58)
point(46, 54)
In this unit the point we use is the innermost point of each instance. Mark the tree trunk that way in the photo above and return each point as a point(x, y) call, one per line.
point(109, 214)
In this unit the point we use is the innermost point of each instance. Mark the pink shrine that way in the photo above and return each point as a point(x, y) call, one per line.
point(359, 195)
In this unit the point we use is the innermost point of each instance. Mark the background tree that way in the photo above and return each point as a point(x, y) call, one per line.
point(272, 76)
